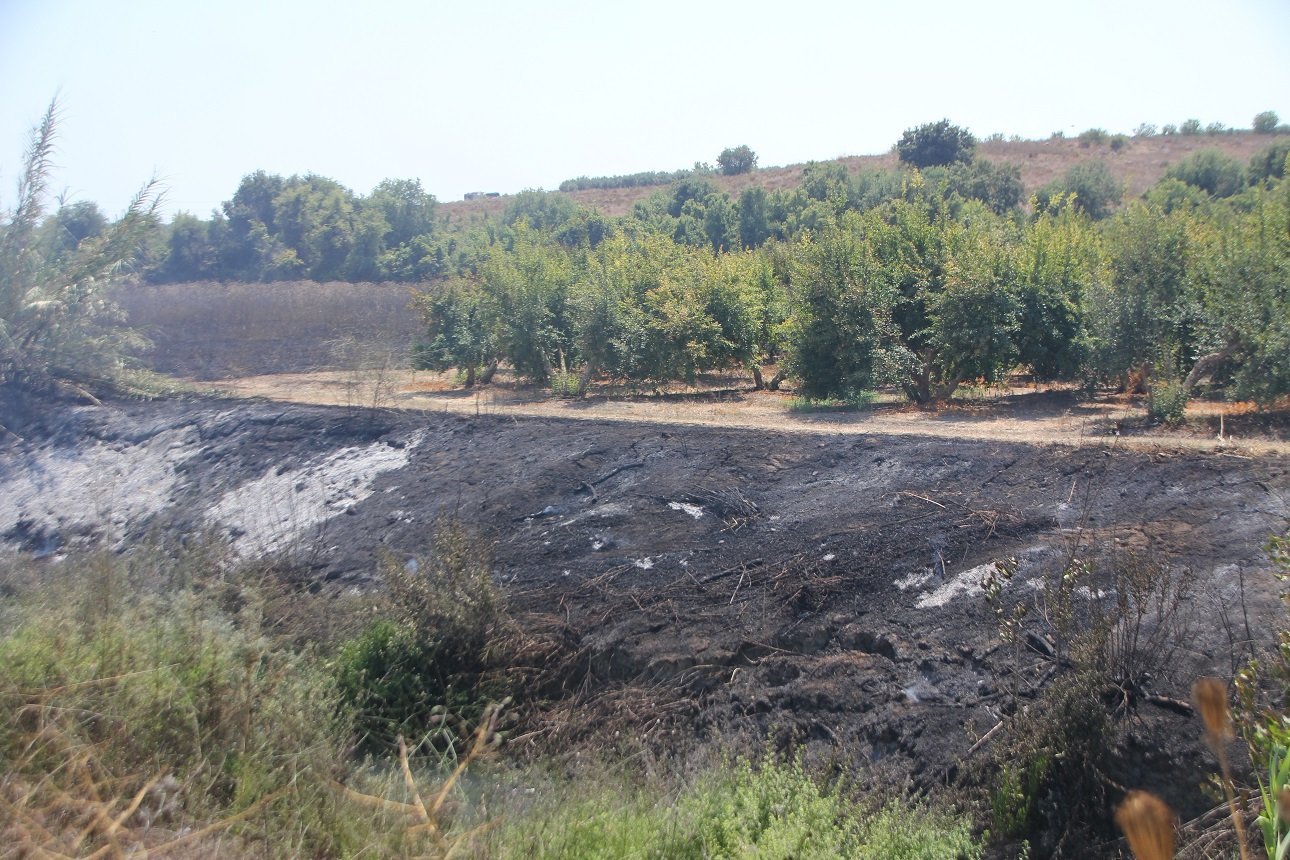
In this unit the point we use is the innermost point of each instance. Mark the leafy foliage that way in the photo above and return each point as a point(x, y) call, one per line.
point(736, 160)
point(1088, 186)
point(427, 659)
point(1266, 122)
point(54, 295)
point(936, 143)
point(1210, 171)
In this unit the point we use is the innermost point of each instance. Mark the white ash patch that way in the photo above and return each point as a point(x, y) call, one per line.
point(695, 511)
point(103, 487)
point(281, 510)
point(913, 580)
point(967, 582)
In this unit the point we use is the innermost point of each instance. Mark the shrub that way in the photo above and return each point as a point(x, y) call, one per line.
point(1095, 188)
point(1119, 142)
point(1270, 162)
point(117, 683)
point(1167, 402)
point(1093, 137)
point(1190, 126)
point(566, 384)
point(772, 810)
point(425, 667)
point(855, 400)
point(1112, 625)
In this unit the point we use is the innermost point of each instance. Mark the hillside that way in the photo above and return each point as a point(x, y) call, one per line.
point(1139, 164)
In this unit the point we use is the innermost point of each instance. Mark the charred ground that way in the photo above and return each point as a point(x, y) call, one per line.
point(703, 585)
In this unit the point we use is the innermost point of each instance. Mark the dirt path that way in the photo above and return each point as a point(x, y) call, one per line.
point(1024, 416)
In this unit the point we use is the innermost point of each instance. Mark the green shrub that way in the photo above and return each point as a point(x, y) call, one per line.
point(1167, 402)
point(386, 679)
point(1093, 137)
point(851, 402)
point(428, 666)
point(565, 384)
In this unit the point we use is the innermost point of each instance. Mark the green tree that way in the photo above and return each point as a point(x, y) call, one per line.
point(54, 309)
point(191, 252)
point(1144, 318)
point(529, 286)
point(72, 224)
point(736, 160)
point(936, 143)
point(1266, 122)
point(246, 249)
point(754, 217)
point(1243, 274)
point(1189, 126)
point(840, 322)
point(461, 329)
point(406, 208)
point(1059, 258)
point(316, 218)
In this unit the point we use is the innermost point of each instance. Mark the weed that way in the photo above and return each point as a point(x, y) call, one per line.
point(1167, 402)
point(132, 712)
point(428, 664)
point(566, 384)
point(852, 402)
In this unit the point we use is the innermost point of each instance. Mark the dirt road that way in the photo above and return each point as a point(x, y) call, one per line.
point(1021, 415)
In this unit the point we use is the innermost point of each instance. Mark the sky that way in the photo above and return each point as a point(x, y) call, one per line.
point(501, 95)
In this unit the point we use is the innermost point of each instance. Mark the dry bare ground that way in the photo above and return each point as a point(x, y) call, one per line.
point(1055, 416)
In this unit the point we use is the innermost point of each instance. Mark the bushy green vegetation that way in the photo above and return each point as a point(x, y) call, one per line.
point(736, 160)
point(771, 810)
point(924, 278)
point(629, 180)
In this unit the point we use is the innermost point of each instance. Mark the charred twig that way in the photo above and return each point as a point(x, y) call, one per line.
point(731, 571)
point(614, 471)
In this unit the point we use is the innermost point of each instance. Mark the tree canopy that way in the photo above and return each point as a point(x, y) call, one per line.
point(936, 143)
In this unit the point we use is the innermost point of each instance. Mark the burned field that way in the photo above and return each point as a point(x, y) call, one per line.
point(703, 586)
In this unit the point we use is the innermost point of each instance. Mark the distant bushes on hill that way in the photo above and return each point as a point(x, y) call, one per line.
point(634, 180)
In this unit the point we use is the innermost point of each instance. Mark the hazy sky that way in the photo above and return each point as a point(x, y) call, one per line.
point(496, 95)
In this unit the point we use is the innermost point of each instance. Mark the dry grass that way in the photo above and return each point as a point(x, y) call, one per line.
point(211, 330)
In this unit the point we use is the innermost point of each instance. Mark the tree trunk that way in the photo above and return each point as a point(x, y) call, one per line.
point(775, 381)
point(470, 376)
point(487, 376)
point(1204, 367)
point(758, 383)
point(584, 380)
